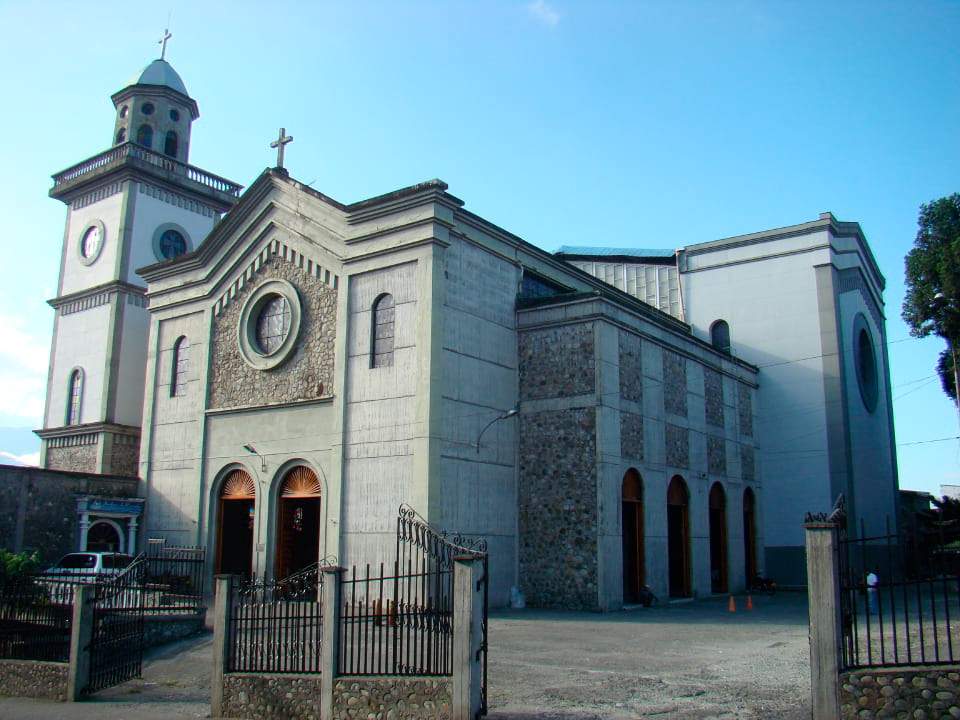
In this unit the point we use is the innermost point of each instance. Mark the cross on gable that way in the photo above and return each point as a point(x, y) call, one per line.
point(282, 139)
point(162, 42)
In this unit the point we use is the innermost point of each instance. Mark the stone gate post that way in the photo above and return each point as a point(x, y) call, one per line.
point(330, 639)
point(81, 631)
point(467, 636)
point(823, 594)
point(223, 589)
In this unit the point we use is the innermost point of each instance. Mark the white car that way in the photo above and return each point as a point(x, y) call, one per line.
point(82, 567)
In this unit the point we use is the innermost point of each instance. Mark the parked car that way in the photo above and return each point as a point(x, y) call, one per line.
point(82, 567)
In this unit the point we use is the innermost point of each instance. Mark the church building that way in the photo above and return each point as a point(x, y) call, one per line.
point(283, 370)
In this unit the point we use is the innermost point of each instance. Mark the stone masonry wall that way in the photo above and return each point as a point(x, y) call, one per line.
point(33, 679)
point(73, 458)
point(745, 409)
point(716, 455)
point(39, 508)
point(674, 383)
point(747, 469)
point(631, 435)
point(392, 698)
point(263, 697)
point(307, 374)
point(557, 362)
point(125, 456)
point(677, 446)
point(631, 367)
point(558, 508)
point(902, 693)
point(713, 396)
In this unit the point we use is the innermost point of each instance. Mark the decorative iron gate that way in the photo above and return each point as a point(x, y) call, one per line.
point(423, 548)
point(116, 641)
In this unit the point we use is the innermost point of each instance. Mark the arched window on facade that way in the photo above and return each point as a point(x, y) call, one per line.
point(178, 370)
point(74, 397)
point(382, 326)
point(718, 539)
point(750, 535)
point(678, 537)
point(720, 336)
point(145, 136)
point(121, 136)
point(632, 537)
point(170, 144)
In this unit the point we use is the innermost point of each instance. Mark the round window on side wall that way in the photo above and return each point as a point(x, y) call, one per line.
point(91, 241)
point(170, 241)
point(269, 324)
point(865, 361)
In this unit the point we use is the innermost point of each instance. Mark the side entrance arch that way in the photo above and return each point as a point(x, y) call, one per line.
point(678, 537)
point(298, 522)
point(235, 518)
point(103, 536)
point(634, 568)
point(718, 539)
point(750, 535)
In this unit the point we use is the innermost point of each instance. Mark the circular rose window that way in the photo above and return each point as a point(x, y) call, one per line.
point(865, 359)
point(269, 324)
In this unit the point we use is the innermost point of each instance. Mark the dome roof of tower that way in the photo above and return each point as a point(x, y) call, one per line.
point(159, 72)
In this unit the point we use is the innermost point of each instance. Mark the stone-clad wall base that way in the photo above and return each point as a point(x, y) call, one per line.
point(162, 629)
point(901, 693)
point(392, 698)
point(33, 679)
point(261, 697)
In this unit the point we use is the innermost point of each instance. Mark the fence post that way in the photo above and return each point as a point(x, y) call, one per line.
point(81, 631)
point(223, 589)
point(823, 594)
point(330, 638)
point(467, 635)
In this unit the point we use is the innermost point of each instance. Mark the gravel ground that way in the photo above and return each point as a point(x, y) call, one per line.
point(692, 660)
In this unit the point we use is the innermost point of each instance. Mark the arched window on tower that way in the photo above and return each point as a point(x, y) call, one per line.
point(74, 397)
point(720, 336)
point(178, 369)
point(381, 341)
point(121, 136)
point(145, 136)
point(170, 144)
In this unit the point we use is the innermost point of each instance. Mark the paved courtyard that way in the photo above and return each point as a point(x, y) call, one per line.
point(692, 660)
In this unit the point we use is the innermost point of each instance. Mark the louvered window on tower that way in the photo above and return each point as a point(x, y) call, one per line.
point(381, 345)
point(76, 393)
point(178, 379)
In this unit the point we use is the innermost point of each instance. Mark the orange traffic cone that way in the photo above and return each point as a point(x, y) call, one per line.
point(732, 606)
point(749, 602)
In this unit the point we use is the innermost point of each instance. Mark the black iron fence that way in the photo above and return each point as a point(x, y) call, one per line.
point(898, 606)
point(32, 625)
point(397, 623)
point(173, 580)
point(116, 641)
point(276, 626)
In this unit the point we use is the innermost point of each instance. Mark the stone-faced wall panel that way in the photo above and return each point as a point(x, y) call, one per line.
point(125, 456)
point(716, 455)
point(631, 367)
point(747, 469)
point(306, 375)
point(557, 362)
point(73, 458)
point(414, 698)
point(674, 383)
point(678, 446)
point(911, 693)
point(713, 396)
point(631, 435)
point(558, 508)
point(745, 409)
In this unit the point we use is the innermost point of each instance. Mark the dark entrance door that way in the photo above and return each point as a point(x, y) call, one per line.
point(103, 537)
point(632, 528)
point(718, 539)
point(298, 522)
point(678, 537)
point(235, 525)
point(749, 535)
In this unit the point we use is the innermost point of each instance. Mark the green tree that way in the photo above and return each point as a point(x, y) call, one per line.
point(932, 302)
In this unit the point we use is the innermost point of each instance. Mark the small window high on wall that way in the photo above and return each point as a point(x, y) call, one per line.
point(178, 372)
point(382, 329)
point(145, 136)
point(74, 397)
point(720, 336)
point(170, 144)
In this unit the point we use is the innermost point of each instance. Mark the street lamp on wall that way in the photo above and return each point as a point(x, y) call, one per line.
point(253, 451)
point(508, 414)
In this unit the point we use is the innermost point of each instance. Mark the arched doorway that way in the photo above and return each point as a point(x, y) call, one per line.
point(103, 537)
point(718, 539)
point(749, 535)
point(678, 537)
point(298, 522)
point(634, 568)
point(236, 515)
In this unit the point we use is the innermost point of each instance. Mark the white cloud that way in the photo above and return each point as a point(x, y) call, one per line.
point(543, 12)
point(27, 459)
point(23, 370)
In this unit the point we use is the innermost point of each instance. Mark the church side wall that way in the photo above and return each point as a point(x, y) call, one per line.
point(477, 493)
point(380, 419)
point(108, 210)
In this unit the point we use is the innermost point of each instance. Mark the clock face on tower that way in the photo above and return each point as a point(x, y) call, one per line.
point(91, 242)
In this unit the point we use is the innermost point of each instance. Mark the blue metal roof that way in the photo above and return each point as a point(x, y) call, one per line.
point(608, 251)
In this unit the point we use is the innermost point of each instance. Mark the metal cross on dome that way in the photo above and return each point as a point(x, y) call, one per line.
point(282, 139)
point(162, 42)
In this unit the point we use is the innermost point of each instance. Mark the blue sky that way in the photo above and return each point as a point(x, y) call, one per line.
point(602, 123)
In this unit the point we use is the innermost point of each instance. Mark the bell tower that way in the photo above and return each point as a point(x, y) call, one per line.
point(136, 204)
